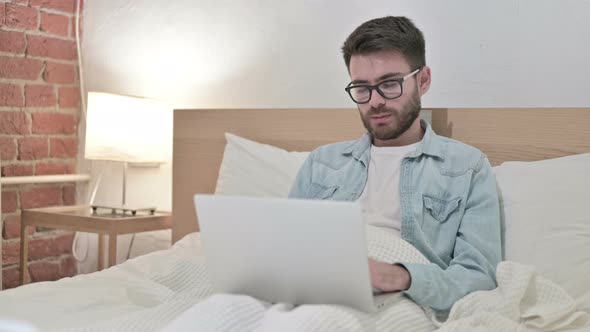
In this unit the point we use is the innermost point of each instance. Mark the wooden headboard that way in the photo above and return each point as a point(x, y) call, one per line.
point(503, 134)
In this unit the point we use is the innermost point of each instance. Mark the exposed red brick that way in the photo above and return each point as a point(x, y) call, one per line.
point(54, 123)
point(13, 123)
point(68, 6)
point(12, 41)
point(39, 96)
point(59, 73)
point(80, 23)
point(73, 28)
point(42, 247)
point(11, 95)
point(69, 195)
point(62, 243)
point(51, 47)
point(20, 68)
point(31, 148)
point(54, 168)
point(10, 252)
point(9, 201)
point(2, 11)
point(12, 227)
point(40, 197)
point(69, 97)
point(55, 24)
point(21, 17)
point(44, 270)
point(7, 148)
point(10, 277)
point(17, 170)
point(63, 147)
point(68, 266)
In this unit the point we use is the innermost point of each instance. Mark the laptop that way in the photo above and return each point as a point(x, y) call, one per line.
point(286, 250)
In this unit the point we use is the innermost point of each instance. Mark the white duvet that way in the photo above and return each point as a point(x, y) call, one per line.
point(169, 290)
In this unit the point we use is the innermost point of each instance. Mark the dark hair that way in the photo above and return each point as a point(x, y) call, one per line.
point(395, 33)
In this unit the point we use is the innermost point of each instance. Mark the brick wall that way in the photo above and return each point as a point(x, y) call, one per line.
point(39, 112)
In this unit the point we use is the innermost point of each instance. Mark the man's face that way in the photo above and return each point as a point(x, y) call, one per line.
point(386, 119)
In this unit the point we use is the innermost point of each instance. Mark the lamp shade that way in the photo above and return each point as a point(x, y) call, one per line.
point(129, 129)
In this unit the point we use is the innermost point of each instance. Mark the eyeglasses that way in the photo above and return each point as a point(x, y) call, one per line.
point(389, 89)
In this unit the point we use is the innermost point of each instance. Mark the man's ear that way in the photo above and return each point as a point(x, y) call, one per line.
point(424, 79)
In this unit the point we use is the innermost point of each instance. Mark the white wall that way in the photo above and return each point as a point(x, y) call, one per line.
point(286, 54)
point(261, 53)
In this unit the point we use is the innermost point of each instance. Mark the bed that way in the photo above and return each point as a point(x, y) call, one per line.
point(542, 163)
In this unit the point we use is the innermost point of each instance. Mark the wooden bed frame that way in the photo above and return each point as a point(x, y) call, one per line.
point(503, 134)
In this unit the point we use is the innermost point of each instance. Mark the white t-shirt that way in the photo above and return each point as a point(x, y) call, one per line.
point(380, 200)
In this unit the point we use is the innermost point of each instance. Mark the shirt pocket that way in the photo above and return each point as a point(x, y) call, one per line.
point(440, 209)
point(318, 191)
point(440, 223)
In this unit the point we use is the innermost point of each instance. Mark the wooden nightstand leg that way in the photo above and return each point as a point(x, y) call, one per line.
point(100, 252)
point(112, 249)
point(24, 254)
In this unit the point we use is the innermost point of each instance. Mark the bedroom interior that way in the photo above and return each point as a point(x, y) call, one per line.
point(515, 135)
point(166, 283)
point(496, 87)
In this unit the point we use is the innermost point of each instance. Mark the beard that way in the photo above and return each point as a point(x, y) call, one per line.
point(401, 121)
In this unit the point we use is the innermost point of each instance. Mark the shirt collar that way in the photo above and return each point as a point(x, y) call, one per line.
point(431, 145)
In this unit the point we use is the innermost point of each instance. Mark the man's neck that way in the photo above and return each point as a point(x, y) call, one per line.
point(413, 135)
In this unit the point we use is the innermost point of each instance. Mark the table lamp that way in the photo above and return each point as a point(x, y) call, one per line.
point(128, 130)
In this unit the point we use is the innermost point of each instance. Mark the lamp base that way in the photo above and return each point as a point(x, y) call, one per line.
point(123, 210)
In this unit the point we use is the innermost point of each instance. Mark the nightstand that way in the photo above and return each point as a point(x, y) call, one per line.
point(81, 218)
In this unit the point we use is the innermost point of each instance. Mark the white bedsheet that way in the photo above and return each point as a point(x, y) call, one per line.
point(149, 292)
point(243, 313)
point(523, 301)
point(143, 294)
point(170, 290)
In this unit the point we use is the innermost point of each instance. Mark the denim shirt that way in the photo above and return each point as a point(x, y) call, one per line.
point(449, 210)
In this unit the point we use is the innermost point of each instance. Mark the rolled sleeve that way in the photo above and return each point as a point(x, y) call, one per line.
point(421, 282)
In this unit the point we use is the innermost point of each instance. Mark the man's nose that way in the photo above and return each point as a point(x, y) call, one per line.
point(377, 99)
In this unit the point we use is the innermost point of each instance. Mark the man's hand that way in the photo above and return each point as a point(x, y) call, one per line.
point(387, 277)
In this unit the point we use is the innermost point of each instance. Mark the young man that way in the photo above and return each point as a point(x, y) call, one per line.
point(436, 193)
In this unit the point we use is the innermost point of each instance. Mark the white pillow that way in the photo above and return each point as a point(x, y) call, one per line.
point(583, 158)
point(545, 216)
point(250, 168)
